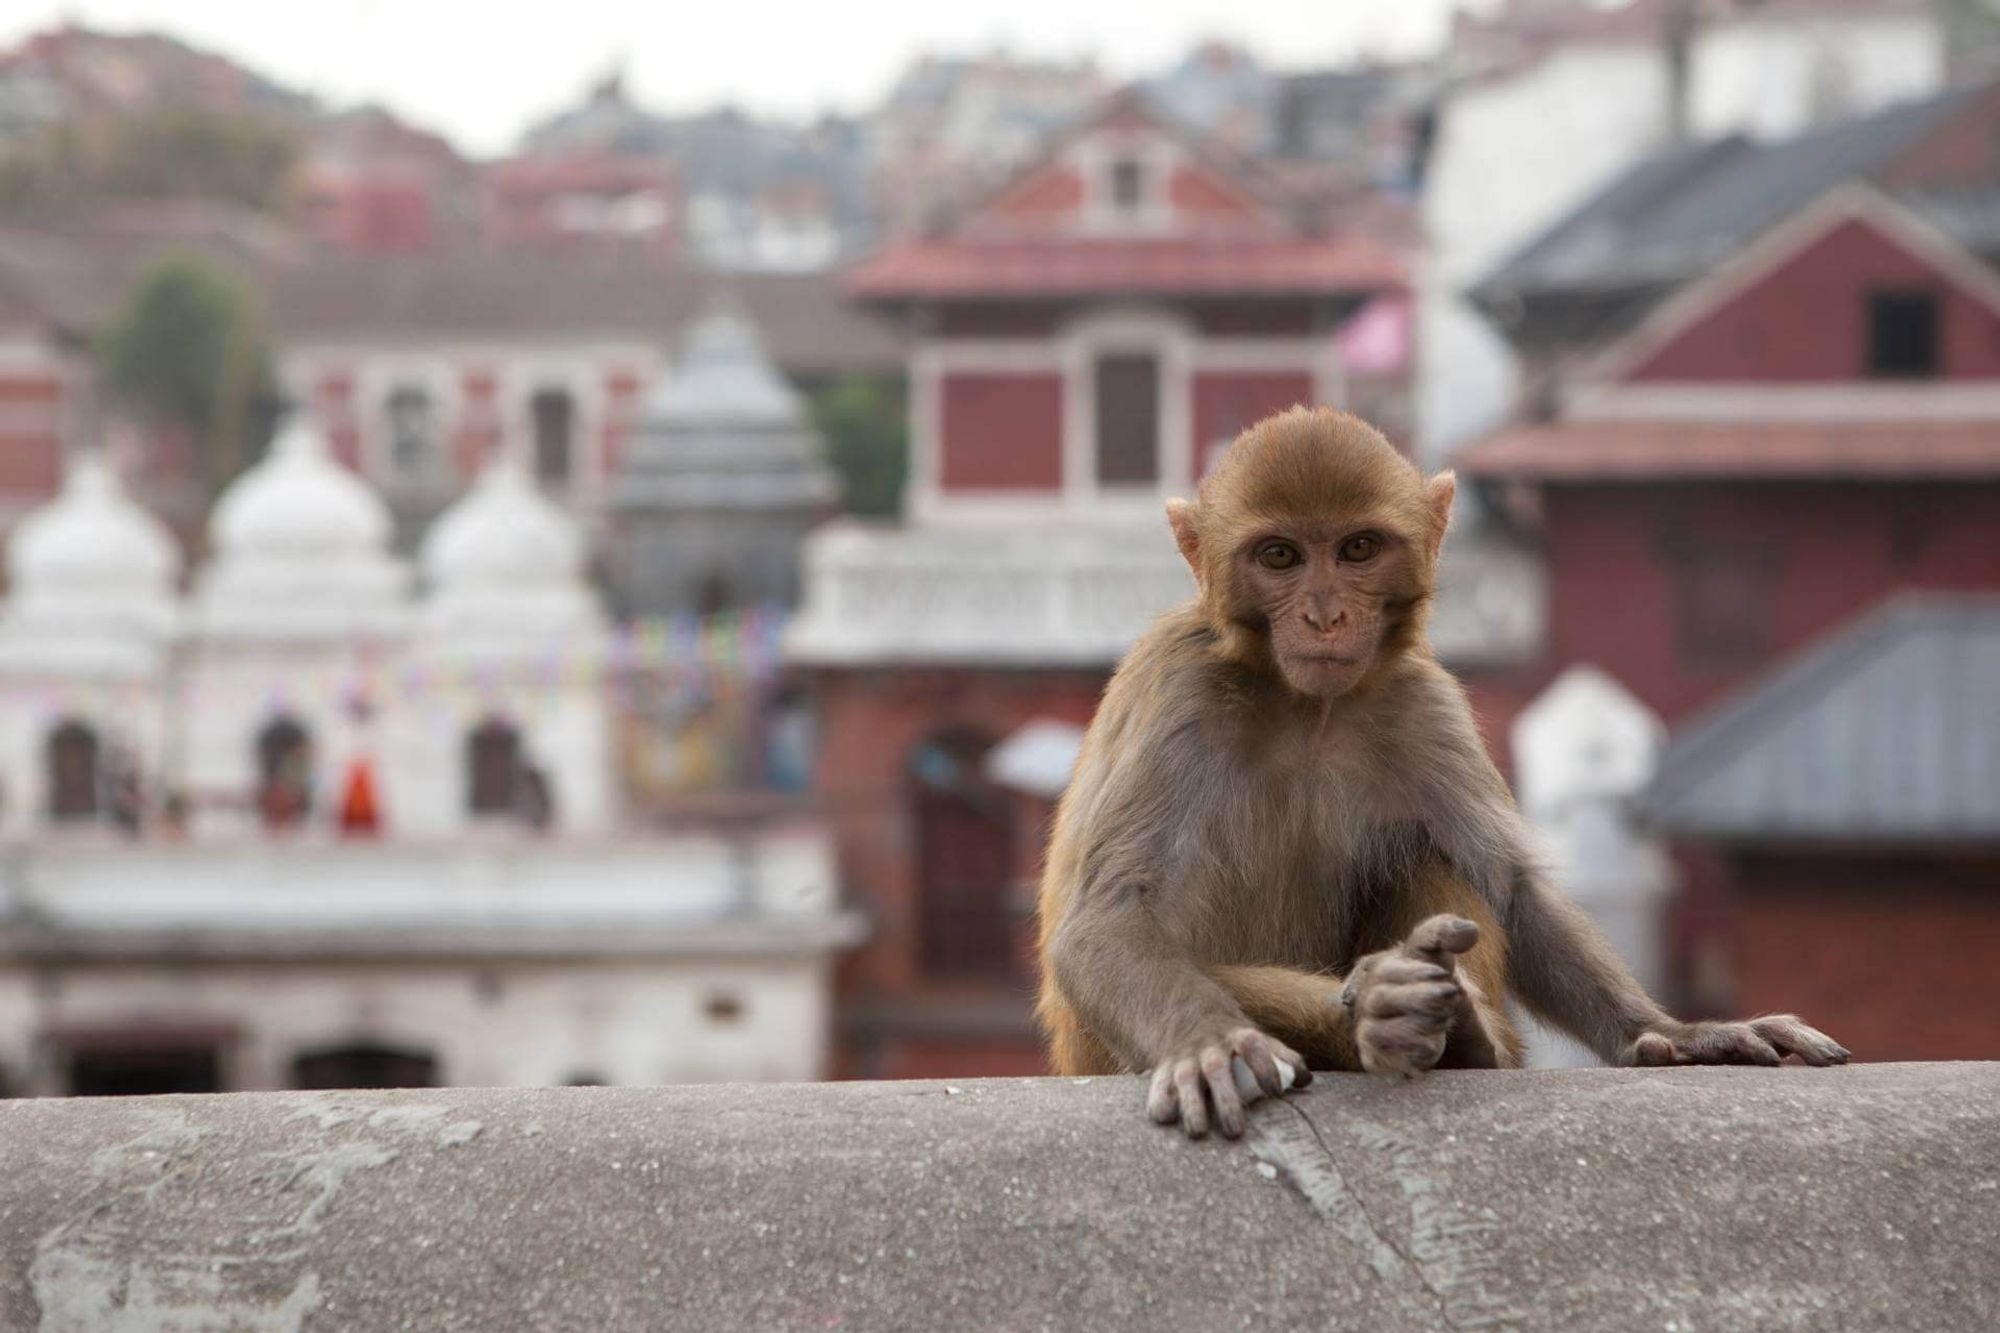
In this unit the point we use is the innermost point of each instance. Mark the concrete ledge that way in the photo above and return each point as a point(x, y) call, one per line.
point(1703, 1199)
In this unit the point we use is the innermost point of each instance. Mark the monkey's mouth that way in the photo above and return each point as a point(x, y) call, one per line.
point(1324, 659)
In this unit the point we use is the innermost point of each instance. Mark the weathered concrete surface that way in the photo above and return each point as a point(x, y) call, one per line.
point(1699, 1199)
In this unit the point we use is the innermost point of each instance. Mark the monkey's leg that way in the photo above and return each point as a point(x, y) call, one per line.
point(1301, 1009)
point(1072, 1049)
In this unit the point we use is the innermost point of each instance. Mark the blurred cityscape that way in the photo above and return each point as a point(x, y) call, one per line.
point(623, 612)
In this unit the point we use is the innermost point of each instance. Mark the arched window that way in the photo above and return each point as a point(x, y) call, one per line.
point(713, 594)
point(364, 1065)
point(284, 772)
point(552, 414)
point(74, 756)
point(965, 859)
point(493, 768)
point(412, 422)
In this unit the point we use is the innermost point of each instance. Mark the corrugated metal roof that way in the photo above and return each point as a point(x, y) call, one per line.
point(1680, 210)
point(1889, 731)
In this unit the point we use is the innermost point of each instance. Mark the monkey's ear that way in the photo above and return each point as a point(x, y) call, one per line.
point(1180, 517)
point(1438, 493)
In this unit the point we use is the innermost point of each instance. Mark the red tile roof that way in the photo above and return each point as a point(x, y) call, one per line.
point(1615, 451)
point(1113, 266)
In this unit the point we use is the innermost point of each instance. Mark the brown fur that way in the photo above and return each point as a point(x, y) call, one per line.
point(1281, 782)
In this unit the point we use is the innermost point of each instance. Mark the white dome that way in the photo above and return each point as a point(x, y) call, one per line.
point(503, 531)
point(724, 375)
point(297, 501)
point(93, 583)
point(302, 552)
point(92, 539)
point(505, 569)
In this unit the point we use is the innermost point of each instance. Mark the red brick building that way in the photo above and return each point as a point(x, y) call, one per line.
point(1814, 425)
point(1088, 335)
point(1765, 453)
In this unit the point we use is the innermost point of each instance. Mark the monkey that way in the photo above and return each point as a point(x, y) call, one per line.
point(1284, 846)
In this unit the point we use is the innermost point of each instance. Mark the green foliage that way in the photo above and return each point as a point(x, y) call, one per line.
point(187, 353)
point(176, 152)
point(866, 427)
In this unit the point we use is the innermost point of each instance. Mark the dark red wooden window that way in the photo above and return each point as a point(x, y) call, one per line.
point(1128, 419)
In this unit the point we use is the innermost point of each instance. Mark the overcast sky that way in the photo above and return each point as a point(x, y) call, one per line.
point(481, 70)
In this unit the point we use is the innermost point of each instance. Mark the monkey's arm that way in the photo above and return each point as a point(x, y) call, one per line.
point(1560, 964)
point(1138, 990)
point(1568, 972)
point(1143, 996)
point(1302, 1009)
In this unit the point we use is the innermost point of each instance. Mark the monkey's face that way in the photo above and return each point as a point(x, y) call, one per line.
point(1328, 597)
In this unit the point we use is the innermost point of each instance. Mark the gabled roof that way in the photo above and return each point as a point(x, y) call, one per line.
point(1833, 442)
point(1770, 252)
point(1270, 247)
point(1886, 732)
point(1675, 213)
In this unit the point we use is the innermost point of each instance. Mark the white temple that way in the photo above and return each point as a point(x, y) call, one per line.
point(329, 819)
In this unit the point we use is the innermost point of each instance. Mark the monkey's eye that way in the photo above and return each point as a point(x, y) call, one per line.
point(1361, 548)
point(1279, 555)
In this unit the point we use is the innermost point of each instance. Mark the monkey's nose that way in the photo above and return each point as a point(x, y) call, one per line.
point(1325, 619)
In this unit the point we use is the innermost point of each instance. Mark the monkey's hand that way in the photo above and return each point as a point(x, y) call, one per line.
point(1204, 1072)
point(1406, 1000)
point(1760, 1041)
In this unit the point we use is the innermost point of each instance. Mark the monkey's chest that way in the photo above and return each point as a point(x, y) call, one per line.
point(1291, 883)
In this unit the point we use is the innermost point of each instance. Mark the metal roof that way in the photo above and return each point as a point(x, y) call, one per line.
point(1888, 731)
point(1679, 211)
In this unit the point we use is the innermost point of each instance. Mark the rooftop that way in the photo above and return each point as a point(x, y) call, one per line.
point(1765, 450)
point(1886, 731)
point(1672, 215)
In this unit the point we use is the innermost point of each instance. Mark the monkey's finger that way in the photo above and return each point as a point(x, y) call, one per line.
point(1654, 1049)
point(1194, 1107)
point(1793, 1037)
point(1435, 1000)
point(1161, 1102)
point(1729, 1044)
point(1440, 936)
point(1301, 1076)
point(1409, 972)
point(1257, 1054)
point(1221, 1081)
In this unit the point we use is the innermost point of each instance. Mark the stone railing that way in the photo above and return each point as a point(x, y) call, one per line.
point(1072, 594)
point(1865, 1198)
point(1076, 593)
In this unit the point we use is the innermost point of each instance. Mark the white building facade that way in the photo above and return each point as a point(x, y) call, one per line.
point(330, 820)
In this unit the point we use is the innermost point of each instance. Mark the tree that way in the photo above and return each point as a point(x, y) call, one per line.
point(187, 353)
point(866, 427)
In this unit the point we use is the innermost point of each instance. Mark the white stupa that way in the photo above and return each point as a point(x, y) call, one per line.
point(91, 578)
point(301, 551)
point(504, 574)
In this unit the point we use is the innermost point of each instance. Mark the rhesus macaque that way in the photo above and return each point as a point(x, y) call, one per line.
point(1284, 843)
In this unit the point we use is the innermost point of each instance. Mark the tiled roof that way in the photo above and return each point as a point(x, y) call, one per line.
point(1115, 266)
point(1889, 731)
point(71, 282)
point(1589, 451)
